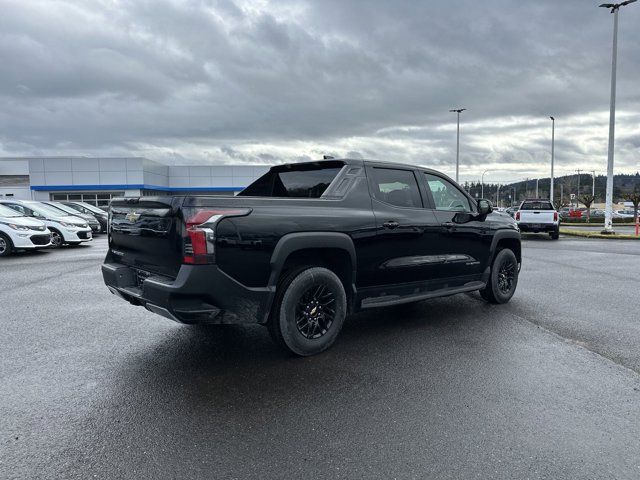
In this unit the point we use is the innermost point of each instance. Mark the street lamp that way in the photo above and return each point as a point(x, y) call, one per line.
point(553, 141)
point(608, 209)
point(458, 111)
point(482, 184)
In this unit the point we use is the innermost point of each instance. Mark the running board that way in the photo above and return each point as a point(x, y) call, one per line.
point(388, 300)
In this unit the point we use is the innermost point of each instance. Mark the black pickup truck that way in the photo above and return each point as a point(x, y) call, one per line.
point(307, 244)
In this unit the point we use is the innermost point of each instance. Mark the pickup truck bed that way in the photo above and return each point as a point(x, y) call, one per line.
point(366, 232)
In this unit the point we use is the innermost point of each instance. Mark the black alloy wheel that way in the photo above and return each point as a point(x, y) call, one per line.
point(309, 310)
point(315, 311)
point(503, 278)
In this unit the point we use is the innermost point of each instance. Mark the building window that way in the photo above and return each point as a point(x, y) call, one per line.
point(99, 199)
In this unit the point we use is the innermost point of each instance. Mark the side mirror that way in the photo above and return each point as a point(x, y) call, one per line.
point(484, 207)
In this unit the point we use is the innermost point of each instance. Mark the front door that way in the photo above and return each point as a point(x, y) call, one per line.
point(464, 238)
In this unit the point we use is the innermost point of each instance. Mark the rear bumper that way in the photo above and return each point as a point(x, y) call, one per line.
point(538, 227)
point(199, 294)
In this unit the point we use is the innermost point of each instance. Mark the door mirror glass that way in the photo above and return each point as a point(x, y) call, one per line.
point(484, 207)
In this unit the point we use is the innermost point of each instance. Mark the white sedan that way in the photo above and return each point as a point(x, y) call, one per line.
point(18, 232)
point(65, 229)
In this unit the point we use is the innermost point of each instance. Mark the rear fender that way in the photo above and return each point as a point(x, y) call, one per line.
point(295, 242)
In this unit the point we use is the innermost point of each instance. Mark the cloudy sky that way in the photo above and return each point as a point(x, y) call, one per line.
point(262, 82)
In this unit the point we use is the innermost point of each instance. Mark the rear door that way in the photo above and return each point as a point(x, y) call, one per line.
point(403, 246)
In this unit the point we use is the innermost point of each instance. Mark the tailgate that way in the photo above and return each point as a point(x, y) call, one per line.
point(146, 232)
point(536, 216)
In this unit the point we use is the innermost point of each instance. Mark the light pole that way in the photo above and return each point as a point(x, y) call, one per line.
point(537, 179)
point(553, 141)
point(498, 196)
point(482, 184)
point(458, 111)
point(608, 209)
point(593, 184)
point(578, 190)
point(514, 196)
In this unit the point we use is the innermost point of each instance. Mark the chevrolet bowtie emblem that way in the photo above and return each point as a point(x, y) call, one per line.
point(132, 216)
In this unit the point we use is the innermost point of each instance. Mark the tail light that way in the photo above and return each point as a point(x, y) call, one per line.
point(517, 216)
point(555, 216)
point(199, 244)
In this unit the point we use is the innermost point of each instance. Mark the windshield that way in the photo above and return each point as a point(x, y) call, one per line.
point(8, 212)
point(92, 208)
point(63, 208)
point(46, 210)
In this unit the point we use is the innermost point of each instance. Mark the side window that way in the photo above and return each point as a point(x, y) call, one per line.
point(447, 196)
point(397, 187)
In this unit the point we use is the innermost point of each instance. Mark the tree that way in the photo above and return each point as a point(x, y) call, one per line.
point(635, 199)
point(588, 200)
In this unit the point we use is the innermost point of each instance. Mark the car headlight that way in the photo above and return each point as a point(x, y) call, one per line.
point(18, 227)
point(68, 225)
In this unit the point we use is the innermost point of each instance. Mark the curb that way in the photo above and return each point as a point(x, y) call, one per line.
point(575, 233)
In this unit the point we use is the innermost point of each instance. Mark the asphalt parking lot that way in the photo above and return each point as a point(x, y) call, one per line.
point(547, 386)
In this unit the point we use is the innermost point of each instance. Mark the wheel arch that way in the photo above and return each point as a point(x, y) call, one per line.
point(507, 239)
point(332, 250)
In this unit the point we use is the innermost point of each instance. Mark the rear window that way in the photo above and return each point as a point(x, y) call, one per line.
point(541, 205)
point(299, 181)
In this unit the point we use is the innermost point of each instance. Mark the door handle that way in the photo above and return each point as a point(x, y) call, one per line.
point(448, 225)
point(391, 224)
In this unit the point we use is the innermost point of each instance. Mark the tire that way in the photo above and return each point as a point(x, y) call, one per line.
point(497, 291)
point(554, 235)
point(6, 245)
point(308, 312)
point(57, 240)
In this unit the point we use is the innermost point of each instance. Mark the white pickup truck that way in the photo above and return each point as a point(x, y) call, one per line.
point(538, 215)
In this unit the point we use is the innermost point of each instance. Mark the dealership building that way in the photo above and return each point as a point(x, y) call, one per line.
point(97, 180)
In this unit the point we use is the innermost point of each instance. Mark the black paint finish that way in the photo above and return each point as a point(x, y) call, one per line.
point(381, 251)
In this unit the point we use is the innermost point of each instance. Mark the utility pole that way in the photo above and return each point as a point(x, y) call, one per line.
point(593, 184)
point(514, 195)
point(553, 141)
point(608, 210)
point(458, 111)
point(537, 179)
point(498, 196)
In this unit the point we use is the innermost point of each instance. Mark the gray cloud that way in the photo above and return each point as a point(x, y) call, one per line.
point(261, 82)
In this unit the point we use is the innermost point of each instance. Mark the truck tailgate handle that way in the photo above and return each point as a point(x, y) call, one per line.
point(391, 224)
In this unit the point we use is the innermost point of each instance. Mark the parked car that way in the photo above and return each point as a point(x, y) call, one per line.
point(90, 219)
point(625, 213)
point(538, 215)
point(511, 211)
point(307, 244)
point(18, 232)
point(65, 229)
point(89, 209)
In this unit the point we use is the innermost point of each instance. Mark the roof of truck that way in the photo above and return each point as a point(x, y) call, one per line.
point(359, 162)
